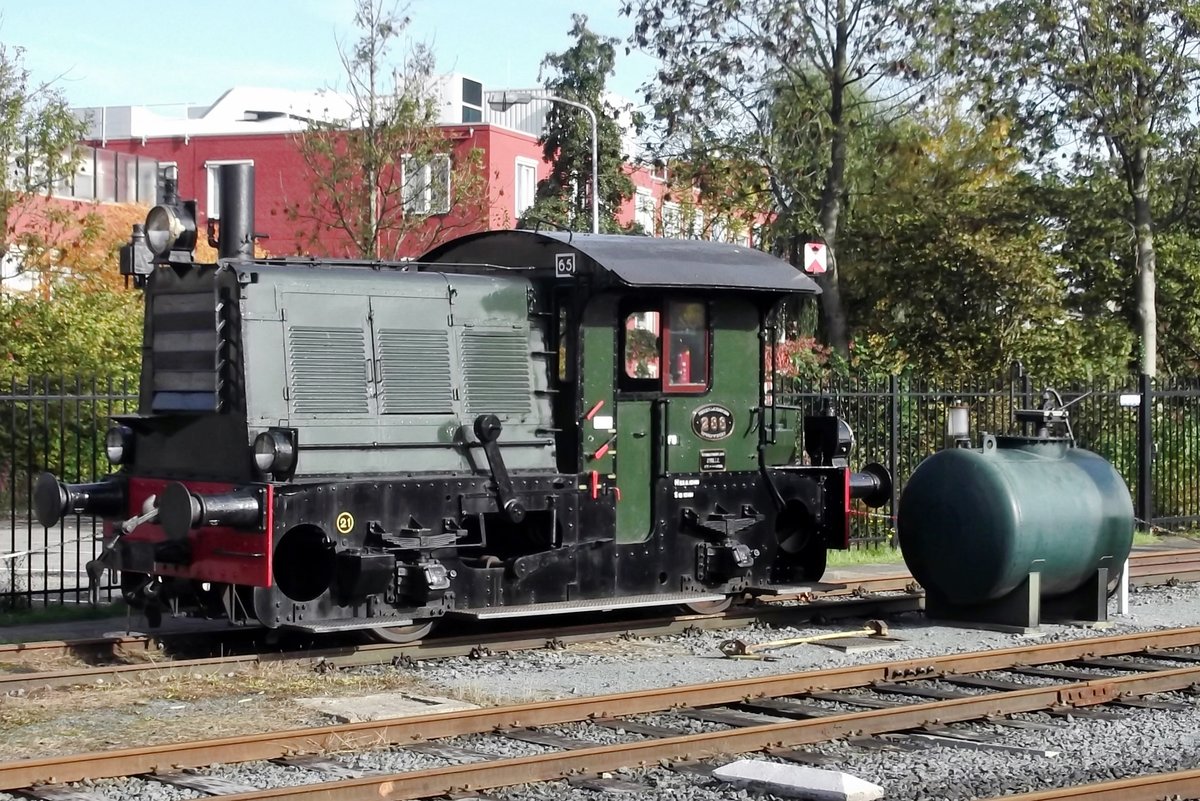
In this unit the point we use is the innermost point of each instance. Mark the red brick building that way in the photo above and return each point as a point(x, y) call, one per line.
point(262, 125)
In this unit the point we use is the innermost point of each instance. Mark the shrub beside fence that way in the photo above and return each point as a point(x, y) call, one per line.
point(59, 425)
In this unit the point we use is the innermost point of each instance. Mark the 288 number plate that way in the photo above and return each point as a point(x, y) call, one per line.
point(712, 422)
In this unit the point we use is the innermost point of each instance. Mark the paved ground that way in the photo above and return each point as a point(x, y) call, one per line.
point(33, 557)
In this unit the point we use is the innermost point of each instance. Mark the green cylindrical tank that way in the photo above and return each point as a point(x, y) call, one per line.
point(974, 523)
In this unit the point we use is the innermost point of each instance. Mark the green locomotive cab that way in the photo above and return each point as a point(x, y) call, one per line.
point(516, 424)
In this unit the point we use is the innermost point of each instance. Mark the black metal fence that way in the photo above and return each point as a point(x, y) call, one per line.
point(1150, 431)
point(57, 425)
point(1151, 435)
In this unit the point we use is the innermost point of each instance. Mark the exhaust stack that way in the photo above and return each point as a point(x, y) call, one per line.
point(236, 238)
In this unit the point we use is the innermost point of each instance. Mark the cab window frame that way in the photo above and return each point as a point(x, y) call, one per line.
point(663, 383)
point(668, 359)
point(627, 381)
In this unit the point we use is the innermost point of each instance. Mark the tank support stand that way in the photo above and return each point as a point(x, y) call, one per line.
point(1023, 610)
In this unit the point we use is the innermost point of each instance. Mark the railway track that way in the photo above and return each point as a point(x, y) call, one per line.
point(443, 647)
point(1149, 568)
point(1151, 787)
point(775, 715)
point(137, 658)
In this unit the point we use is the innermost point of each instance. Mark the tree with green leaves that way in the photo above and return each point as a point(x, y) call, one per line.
point(384, 175)
point(952, 258)
point(564, 197)
point(38, 139)
point(1095, 79)
point(783, 86)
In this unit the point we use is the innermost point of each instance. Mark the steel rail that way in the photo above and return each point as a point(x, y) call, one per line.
point(113, 645)
point(399, 731)
point(590, 761)
point(439, 648)
point(1149, 787)
point(1148, 568)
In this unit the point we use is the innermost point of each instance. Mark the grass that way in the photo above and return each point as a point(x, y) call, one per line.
point(887, 555)
point(875, 555)
point(1145, 538)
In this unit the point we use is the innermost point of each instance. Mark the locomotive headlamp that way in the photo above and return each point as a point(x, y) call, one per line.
point(170, 228)
point(274, 452)
point(118, 444)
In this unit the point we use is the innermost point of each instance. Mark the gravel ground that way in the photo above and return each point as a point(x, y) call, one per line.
point(1148, 740)
point(624, 665)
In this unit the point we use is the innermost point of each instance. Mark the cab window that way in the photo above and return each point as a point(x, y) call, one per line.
point(685, 347)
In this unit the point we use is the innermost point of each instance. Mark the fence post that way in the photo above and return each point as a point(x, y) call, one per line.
point(1145, 451)
point(894, 442)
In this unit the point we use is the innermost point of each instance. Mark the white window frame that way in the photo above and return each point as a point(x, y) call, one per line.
point(645, 209)
point(464, 105)
point(519, 204)
point(163, 167)
point(719, 232)
point(418, 199)
point(13, 275)
point(212, 185)
point(672, 220)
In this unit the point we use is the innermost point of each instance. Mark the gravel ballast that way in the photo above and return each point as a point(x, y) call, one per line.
point(1090, 750)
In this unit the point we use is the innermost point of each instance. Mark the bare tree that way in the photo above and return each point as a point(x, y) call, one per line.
point(38, 139)
point(383, 173)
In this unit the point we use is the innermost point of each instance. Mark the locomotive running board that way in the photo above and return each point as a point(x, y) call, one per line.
point(334, 626)
point(794, 589)
point(595, 605)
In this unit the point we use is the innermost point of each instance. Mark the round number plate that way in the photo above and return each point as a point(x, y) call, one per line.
point(712, 422)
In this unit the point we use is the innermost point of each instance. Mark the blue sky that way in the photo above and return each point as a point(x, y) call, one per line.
point(141, 53)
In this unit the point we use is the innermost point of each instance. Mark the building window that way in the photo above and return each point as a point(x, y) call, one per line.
point(472, 101)
point(213, 196)
point(672, 224)
point(696, 228)
point(720, 230)
point(13, 275)
point(526, 185)
point(167, 171)
point(643, 213)
point(426, 184)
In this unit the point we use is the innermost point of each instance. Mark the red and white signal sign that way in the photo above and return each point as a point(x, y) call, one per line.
point(816, 258)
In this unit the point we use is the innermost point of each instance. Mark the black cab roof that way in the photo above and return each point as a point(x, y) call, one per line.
point(637, 261)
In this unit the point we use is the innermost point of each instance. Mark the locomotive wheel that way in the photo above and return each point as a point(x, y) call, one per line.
point(401, 635)
point(709, 607)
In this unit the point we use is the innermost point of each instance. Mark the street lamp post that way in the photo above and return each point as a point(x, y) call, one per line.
point(508, 100)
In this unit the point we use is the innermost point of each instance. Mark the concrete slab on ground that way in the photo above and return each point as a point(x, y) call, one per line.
point(383, 706)
point(797, 781)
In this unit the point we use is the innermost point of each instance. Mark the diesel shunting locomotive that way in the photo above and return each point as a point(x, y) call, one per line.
point(517, 424)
